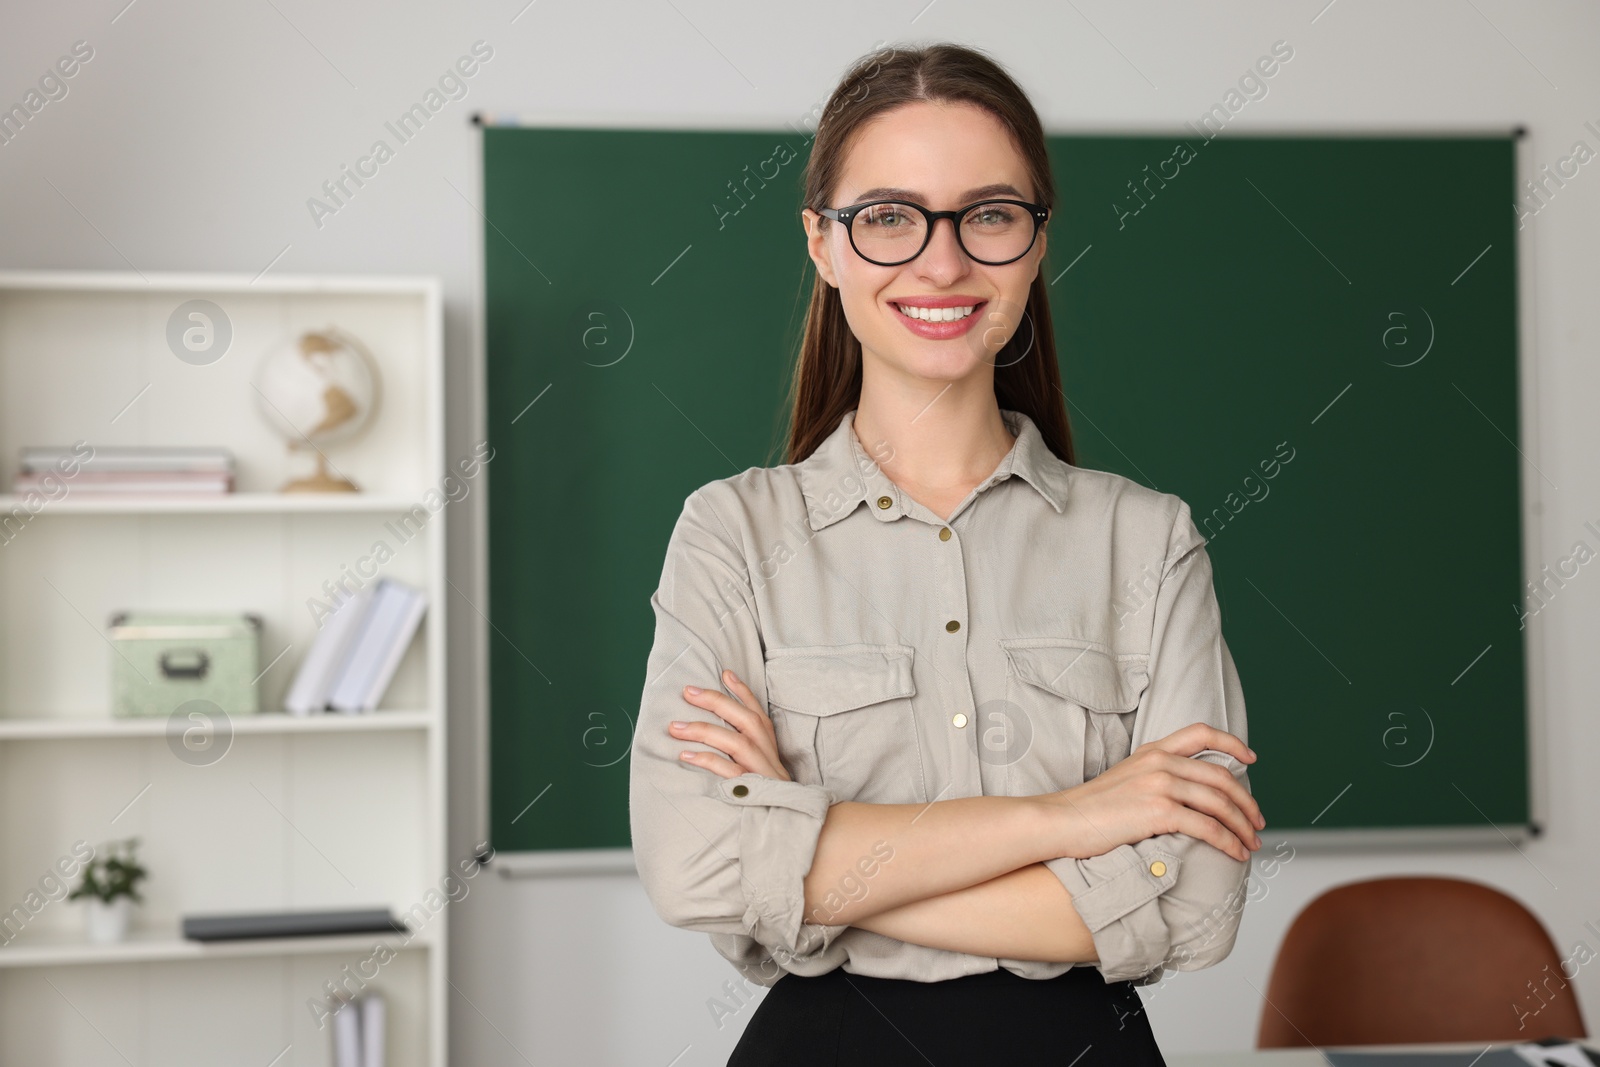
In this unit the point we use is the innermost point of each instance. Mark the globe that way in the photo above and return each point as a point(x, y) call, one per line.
point(317, 390)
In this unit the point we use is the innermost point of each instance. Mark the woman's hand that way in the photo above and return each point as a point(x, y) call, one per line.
point(750, 745)
point(1159, 789)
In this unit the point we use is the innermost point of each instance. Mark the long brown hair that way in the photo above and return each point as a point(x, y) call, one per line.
point(827, 376)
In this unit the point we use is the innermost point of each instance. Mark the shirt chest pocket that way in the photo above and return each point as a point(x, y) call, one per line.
point(844, 716)
point(1079, 700)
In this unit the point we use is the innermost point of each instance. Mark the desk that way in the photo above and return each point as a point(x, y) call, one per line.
point(1308, 1057)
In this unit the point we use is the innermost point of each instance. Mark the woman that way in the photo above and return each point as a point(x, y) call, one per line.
point(936, 690)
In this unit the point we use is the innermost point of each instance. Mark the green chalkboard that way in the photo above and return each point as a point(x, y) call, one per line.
point(1312, 340)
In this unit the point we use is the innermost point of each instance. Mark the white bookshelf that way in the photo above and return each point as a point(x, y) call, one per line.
point(322, 811)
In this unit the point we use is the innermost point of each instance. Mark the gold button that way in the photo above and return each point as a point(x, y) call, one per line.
point(1158, 868)
point(952, 626)
point(741, 790)
point(884, 502)
point(959, 718)
point(944, 534)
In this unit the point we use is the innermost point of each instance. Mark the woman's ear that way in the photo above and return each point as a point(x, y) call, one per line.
point(1038, 263)
point(817, 245)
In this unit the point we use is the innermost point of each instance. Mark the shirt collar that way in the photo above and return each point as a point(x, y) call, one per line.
point(840, 474)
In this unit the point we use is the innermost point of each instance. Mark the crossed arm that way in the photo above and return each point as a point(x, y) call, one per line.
point(968, 875)
point(1025, 914)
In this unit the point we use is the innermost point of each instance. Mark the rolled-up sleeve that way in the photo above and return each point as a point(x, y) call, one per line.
point(727, 856)
point(1171, 901)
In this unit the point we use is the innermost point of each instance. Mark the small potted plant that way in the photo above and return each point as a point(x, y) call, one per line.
point(111, 884)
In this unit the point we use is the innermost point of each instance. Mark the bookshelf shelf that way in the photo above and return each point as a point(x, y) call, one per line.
point(220, 504)
point(60, 728)
point(152, 946)
point(327, 810)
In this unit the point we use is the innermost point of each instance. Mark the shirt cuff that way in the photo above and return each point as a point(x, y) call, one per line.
point(1117, 895)
point(778, 831)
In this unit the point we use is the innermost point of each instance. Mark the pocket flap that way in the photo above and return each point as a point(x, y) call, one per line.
point(828, 679)
point(1079, 672)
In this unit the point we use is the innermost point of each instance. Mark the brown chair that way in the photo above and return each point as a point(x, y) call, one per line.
point(1402, 960)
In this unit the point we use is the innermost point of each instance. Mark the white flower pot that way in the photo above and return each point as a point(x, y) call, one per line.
point(108, 923)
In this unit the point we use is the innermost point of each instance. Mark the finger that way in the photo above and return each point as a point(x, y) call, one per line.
point(1220, 778)
point(1199, 736)
point(712, 762)
point(709, 733)
point(747, 697)
point(1204, 799)
point(744, 752)
point(1205, 828)
point(724, 706)
point(743, 692)
point(1206, 736)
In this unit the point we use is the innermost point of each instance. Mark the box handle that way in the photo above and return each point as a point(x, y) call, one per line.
point(195, 669)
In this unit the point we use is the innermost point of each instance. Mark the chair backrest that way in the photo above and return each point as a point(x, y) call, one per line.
point(1399, 960)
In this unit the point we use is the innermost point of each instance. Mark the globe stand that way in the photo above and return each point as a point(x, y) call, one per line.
point(320, 482)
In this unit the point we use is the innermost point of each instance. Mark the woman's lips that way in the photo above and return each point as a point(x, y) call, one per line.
point(939, 331)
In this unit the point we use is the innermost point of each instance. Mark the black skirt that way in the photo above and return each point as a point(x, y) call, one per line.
point(839, 1019)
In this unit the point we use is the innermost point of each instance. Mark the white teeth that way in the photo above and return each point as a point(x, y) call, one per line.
point(935, 314)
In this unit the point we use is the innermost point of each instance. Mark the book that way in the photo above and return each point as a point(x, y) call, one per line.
point(374, 1012)
point(388, 625)
point(240, 925)
point(347, 1034)
point(358, 1031)
point(313, 682)
point(40, 458)
point(125, 482)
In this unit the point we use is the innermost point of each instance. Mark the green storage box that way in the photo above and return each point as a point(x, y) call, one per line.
point(163, 659)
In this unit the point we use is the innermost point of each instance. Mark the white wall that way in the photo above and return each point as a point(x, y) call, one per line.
point(195, 135)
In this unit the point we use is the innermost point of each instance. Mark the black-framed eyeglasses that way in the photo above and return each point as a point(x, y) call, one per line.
point(891, 232)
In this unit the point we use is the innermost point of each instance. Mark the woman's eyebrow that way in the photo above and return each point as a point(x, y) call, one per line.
point(887, 192)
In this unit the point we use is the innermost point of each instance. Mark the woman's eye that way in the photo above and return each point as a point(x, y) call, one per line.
point(991, 216)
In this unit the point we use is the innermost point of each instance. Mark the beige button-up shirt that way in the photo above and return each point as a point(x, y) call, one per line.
point(1059, 618)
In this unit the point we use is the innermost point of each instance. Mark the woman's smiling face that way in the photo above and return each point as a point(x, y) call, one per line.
point(942, 156)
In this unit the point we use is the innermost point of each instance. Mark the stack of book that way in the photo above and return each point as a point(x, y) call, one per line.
point(357, 650)
point(163, 469)
point(358, 1031)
